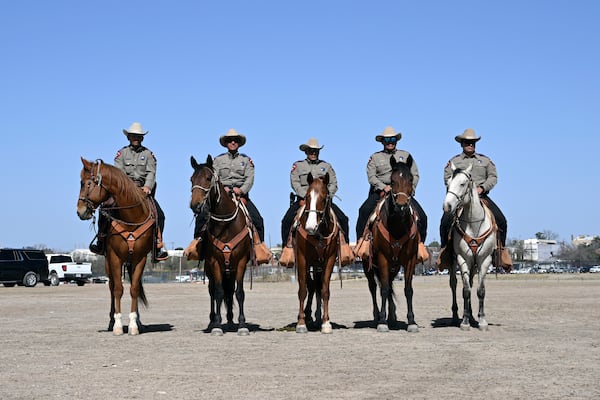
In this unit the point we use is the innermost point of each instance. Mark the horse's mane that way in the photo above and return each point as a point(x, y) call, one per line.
point(127, 189)
point(457, 171)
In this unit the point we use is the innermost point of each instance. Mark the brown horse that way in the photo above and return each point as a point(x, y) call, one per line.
point(394, 245)
point(227, 248)
point(130, 237)
point(317, 243)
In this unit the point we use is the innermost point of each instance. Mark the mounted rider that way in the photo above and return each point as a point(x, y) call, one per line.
point(313, 165)
point(379, 174)
point(485, 177)
point(235, 171)
point(139, 164)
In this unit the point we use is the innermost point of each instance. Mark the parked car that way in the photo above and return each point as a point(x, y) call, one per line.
point(595, 268)
point(23, 267)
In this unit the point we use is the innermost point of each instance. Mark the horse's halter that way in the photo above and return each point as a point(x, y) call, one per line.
point(213, 183)
point(320, 213)
point(95, 178)
point(207, 201)
point(461, 199)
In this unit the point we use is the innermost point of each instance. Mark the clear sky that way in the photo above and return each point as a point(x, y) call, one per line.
point(524, 74)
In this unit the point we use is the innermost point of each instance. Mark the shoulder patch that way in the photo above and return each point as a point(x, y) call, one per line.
point(118, 154)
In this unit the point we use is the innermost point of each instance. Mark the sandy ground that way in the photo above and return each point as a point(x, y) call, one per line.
point(543, 343)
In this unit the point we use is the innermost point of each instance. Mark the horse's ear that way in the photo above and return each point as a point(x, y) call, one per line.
point(326, 178)
point(409, 161)
point(452, 166)
point(194, 162)
point(393, 162)
point(469, 168)
point(209, 161)
point(86, 164)
point(310, 178)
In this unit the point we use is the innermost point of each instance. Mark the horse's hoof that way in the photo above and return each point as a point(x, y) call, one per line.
point(134, 331)
point(243, 332)
point(301, 329)
point(117, 331)
point(465, 327)
point(326, 328)
point(483, 325)
point(382, 328)
point(216, 332)
point(413, 328)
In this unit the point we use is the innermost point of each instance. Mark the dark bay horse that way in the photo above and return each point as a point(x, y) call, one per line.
point(394, 245)
point(227, 248)
point(129, 239)
point(316, 244)
point(473, 241)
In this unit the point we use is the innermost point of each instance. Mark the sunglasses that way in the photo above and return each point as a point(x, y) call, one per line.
point(232, 140)
point(312, 151)
point(136, 137)
point(392, 139)
point(468, 143)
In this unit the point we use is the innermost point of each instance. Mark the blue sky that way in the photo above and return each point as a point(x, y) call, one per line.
point(524, 74)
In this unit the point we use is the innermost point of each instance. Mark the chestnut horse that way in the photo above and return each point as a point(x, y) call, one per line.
point(227, 247)
point(129, 239)
point(394, 245)
point(473, 241)
point(317, 243)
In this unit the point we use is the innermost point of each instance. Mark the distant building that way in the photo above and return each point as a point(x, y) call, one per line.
point(582, 240)
point(540, 250)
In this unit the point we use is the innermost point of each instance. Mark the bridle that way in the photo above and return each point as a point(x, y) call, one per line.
point(320, 213)
point(207, 201)
point(461, 198)
point(96, 178)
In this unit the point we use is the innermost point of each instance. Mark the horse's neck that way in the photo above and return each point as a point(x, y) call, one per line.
point(396, 223)
point(473, 217)
point(129, 204)
point(221, 202)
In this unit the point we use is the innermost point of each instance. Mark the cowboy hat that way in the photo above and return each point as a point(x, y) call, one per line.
point(468, 134)
point(311, 144)
point(388, 132)
point(135, 129)
point(232, 133)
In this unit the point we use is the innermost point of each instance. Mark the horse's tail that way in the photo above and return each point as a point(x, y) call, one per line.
point(142, 295)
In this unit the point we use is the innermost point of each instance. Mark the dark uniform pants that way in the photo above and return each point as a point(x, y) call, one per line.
point(367, 208)
point(447, 218)
point(255, 217)
point(288, 220)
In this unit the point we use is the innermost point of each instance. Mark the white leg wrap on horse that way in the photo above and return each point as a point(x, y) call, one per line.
point(118, 326)
point(133, 328)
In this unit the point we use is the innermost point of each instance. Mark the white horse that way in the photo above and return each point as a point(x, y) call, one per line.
point(473, 240)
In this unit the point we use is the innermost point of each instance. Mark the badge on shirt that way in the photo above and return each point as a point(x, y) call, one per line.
point(142, 158)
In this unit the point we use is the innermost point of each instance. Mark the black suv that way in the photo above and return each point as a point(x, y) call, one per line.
point(23, 267)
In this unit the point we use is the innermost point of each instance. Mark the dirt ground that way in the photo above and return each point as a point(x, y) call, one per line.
point(543, 342)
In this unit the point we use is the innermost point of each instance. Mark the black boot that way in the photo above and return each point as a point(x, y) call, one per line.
point(159, 255)
point(99, 246)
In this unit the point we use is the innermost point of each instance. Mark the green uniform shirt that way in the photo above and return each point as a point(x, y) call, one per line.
point(138, 164)
point(483, 173)
point(300, 171)
point(235, 170)
point(379, 170)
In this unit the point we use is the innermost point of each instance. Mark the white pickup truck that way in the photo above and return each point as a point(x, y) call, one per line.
point(62, 268)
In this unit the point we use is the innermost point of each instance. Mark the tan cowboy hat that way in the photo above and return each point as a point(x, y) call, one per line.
point(232, 133)
point(468, 134)
point(311, 144)
point(135, 129)
point(388, 132)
